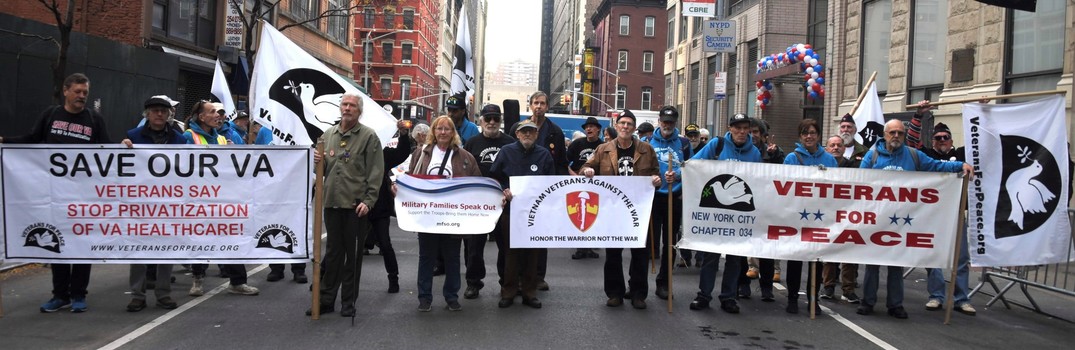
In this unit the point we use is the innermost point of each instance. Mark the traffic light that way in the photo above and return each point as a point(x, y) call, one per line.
point(563, 100)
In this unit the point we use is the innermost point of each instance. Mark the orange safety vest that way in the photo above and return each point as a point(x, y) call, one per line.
point(200, 140)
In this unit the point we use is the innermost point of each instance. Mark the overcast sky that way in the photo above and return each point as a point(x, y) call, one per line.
point(513, 31)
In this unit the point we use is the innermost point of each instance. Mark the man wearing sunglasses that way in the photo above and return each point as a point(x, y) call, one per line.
point(485, 147)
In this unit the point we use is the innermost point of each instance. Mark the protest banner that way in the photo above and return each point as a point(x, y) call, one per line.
point(463, 205)
point(579, 212)
point(182, 204)
point(835, 215)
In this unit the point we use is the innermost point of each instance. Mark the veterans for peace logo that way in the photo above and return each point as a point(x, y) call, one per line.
point(276, 236)
point(1029, 186)
point(44, 236)
point(871, 133)
point(582, 208)
point(727, 191)
point(312, 95)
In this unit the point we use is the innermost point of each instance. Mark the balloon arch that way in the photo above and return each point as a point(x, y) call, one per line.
point(802, 54)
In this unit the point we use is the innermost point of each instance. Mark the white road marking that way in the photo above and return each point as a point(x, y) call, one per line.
point(847, 323)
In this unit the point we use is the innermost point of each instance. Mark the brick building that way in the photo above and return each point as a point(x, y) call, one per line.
point(627, 39)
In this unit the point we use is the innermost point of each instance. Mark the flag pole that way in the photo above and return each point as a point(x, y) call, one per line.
point(652, 249)
point(668, 247)
point(812, 296)
point(319, 207)
point(950, 290)
point(862, 94)
point(987, 98)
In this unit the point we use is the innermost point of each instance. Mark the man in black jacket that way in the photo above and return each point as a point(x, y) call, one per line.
point(485, 147)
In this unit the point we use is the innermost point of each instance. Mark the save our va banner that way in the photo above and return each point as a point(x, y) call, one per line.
point(1018, 201)
point(183, 204)
point(463, 205)
point(579, 212)
point(806, 213)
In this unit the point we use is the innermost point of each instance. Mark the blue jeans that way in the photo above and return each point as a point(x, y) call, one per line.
point(935, 280)
point(707, 277)
point(894, 298)
point(447, 246)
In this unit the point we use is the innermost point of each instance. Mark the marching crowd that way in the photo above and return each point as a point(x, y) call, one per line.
point(359, 195)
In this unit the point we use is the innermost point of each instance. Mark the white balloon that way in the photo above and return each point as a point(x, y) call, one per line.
point(757, 103)
point(813, 75)
point(813, 61)
point(810, 82)
point(809, 89)
point(801, 47)
point(809, 70)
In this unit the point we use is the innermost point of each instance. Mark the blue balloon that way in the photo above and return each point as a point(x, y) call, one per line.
point(810, 52)
point(820, 80)
point(765, 101)
point(768, 86)
point(813, 95)
point(815, 56)
point(818, 68)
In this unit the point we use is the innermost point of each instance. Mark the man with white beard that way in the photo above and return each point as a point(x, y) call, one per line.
point(853, 150)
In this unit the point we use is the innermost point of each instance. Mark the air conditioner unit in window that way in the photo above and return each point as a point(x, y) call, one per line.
point(406, 61)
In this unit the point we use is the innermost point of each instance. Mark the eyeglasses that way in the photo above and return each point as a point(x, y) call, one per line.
point(942, 137)
point(705, 139)
point(491, 118)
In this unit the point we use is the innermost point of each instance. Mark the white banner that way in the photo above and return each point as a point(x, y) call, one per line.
point(464, 205)
point(870, 119)
point(699, 8)
point(1019, 199)
point(576, 212)
point(292, 92)
point(835, 215)
point(152, 204)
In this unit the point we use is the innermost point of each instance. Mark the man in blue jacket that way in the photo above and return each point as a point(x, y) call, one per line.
point(894, 155)
point(736, 146)
point(667, 142)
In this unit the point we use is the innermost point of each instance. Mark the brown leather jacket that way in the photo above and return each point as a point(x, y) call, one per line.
point(604, 159)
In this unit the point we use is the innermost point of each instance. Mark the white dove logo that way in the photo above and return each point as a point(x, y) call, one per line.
point(324, 108)
point(1026, 194)
point(43, 236)
point(731, 192)
point(44, 239)
point(276, 236)
point(279, 240)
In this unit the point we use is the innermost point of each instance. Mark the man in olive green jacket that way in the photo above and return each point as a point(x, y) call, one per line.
point(354, 166)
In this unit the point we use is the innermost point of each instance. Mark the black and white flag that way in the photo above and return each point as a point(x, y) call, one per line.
point(463, 59)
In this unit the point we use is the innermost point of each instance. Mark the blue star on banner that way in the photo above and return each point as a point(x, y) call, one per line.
point(895, 219)
point(818, 215)
point(805, 215)
point(907, 219)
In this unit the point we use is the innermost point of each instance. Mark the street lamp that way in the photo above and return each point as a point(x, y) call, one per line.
point(616, 83)
point(595, 98)
point(369, 42)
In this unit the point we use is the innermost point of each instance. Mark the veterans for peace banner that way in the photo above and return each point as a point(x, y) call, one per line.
point(1018, 201)
point(579, 212)
point(464, 205)
point(299, 97)
point(835, 215)
point(152, 204)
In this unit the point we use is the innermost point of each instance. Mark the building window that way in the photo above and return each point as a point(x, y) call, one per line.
point(625, 25)
point(929, 34)
point(876, 33)
point(816, 26)
point(386, 52)
point(193, 21)
point(621, 63)
point(670, 37)
point(651, 24)
point(370, 14)
point(647, 61)
point(405, 53)
point(696, 88)
point(367, 51)
point(621, 97)
point(404, 89)
point(696, 29)
point(306, 10)
point(337, 22)
point(647, 98)
point(733, 68)
point(1035, 55)
point(386, 87)
point(711, 109)
point(680, 84)
point(389, 18)
point(682, 27)
point(408, 19)
point(668, 88)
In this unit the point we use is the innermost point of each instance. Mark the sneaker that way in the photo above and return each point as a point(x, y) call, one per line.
point(505, 302)
point(543, 286)
point(393, 287)
point(699, 303)
point(850, 298)
point(744, 291)
point(471, 292)
point(453, 305)
point(78, 304)
point(898, 312)
point(55, 304)
point(348, 311)
point(532, 302)
point(275, 276)
point(592, 254)
point(864, 310)
point(752, 272)
point(301, 278)
point(933, 305)
point(196, 288)
point(425, 306)
point(136, 305)
point(767, 296)
point(662, 292)
point(579, 254)
point(776, 276)
point(730, 306)
point(638, 304)
point(243, 289)
point(967, 309)
point(166, 303)
point(614, 302)
point(828, 292)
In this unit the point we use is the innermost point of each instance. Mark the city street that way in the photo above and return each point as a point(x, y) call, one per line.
point(574, 316)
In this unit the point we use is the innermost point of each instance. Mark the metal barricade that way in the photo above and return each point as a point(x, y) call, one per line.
point(1055, 278)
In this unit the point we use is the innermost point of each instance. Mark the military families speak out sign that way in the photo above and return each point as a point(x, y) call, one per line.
point(834, 215)
point(1018, 203)
point(577, 212)
point(464, 205)
point(184, 204)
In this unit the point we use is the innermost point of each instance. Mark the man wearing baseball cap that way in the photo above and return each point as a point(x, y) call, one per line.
point(671, 150)
point(578, 153)
point(645, 131)
point(736, 145)
point(457, 109)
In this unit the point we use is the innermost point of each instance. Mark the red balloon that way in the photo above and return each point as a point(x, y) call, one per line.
point(808, 77)
point(801, 56)
point(767, 94)
point(758, 83)
point(816, 86)
point(807, 46)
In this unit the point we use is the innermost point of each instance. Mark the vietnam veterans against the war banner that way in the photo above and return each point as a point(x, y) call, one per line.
point(893, 154)
point(70, 123)
point(354, 165)
point(625, 156)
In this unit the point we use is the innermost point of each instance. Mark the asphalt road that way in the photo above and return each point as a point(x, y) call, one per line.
point(574, 316)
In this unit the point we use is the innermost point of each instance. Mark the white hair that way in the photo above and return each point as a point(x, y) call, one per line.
point(419, 129)
point(577, 135)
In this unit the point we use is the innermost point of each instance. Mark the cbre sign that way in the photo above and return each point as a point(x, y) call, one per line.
point(719, 36)
point(699, 8)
